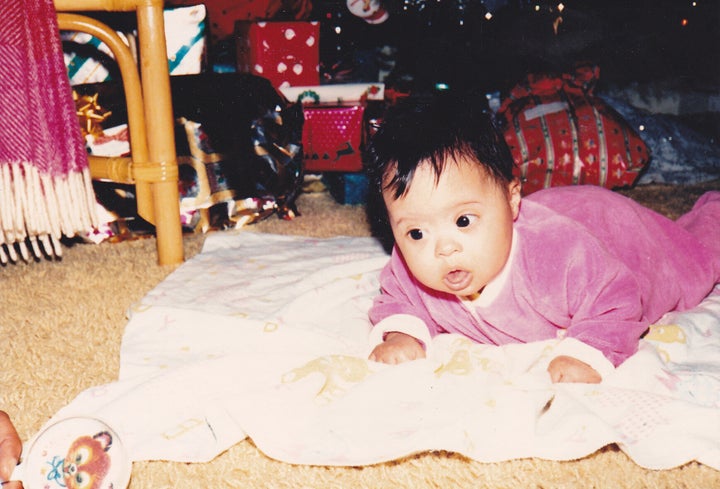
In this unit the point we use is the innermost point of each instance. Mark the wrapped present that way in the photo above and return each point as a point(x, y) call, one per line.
point(238, 144)
point(560, 133)
point(333, 138)
point(342, 93)
point(114, 141)
point(89, 60)
point(185, 36)
point(225, 13)
point(286, 53)
point(347, 188)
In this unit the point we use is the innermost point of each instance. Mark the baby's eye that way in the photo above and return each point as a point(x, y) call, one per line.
point(464, 221)
point(415, 234)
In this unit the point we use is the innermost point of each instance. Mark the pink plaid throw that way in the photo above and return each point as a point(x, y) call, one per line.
point(45, 188)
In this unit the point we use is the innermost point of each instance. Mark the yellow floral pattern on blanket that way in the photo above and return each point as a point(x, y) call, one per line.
point(337, 371)
point(467, 357)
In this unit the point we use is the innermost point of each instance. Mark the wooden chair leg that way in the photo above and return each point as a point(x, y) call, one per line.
point(153, 166)
point(160, 131)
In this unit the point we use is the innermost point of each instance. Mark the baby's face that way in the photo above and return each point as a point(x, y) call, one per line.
point(454, 234)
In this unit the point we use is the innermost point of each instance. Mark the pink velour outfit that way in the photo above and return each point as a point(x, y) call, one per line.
point(586, 263)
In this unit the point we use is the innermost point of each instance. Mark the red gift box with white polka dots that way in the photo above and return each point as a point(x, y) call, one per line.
point(286, 53)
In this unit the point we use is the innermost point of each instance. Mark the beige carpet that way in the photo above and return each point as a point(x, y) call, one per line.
point(62, 323)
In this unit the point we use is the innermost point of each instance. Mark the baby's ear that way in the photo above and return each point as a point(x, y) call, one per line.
point(514, 196)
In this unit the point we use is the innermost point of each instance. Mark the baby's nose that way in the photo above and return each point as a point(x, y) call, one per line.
point(446, 246)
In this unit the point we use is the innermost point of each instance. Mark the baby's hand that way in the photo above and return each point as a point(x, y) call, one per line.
point(10, 448)
point(397, 348)
point(569, 369)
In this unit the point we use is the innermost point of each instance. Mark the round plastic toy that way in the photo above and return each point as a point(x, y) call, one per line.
point(74, 453)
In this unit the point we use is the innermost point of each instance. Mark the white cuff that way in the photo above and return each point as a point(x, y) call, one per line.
point(400, 323)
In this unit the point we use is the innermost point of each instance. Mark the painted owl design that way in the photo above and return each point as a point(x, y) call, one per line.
point(87, 461)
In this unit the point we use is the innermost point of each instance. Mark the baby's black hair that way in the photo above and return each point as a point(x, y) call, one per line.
point(434, 130)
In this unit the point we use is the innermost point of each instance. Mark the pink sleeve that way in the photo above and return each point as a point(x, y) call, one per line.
point(604, 303)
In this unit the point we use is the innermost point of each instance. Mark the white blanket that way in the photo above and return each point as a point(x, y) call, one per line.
point(266, 336)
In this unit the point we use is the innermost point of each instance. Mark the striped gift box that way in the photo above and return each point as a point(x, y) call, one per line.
point(89, 60)
point(185, 35)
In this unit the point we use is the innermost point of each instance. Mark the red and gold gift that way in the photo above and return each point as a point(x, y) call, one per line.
point(560, 133)
point(286, 53)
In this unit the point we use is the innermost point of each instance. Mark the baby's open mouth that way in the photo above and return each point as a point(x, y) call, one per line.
point(457, 280)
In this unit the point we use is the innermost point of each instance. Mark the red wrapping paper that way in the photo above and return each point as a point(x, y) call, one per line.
point(333, 138)
point(286, 53)
point(561, 134)
point(224, 13)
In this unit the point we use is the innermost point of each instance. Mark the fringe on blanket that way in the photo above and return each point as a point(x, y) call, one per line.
point(45, 187)
point(37, 209)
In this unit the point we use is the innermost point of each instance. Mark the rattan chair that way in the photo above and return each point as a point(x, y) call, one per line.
point(152, 165)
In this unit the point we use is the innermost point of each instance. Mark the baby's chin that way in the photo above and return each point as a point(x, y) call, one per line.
point(471, 296)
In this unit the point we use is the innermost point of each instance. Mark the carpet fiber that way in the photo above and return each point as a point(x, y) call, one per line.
point(62, 322)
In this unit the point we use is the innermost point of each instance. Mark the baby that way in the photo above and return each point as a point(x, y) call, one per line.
point(471, 256)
